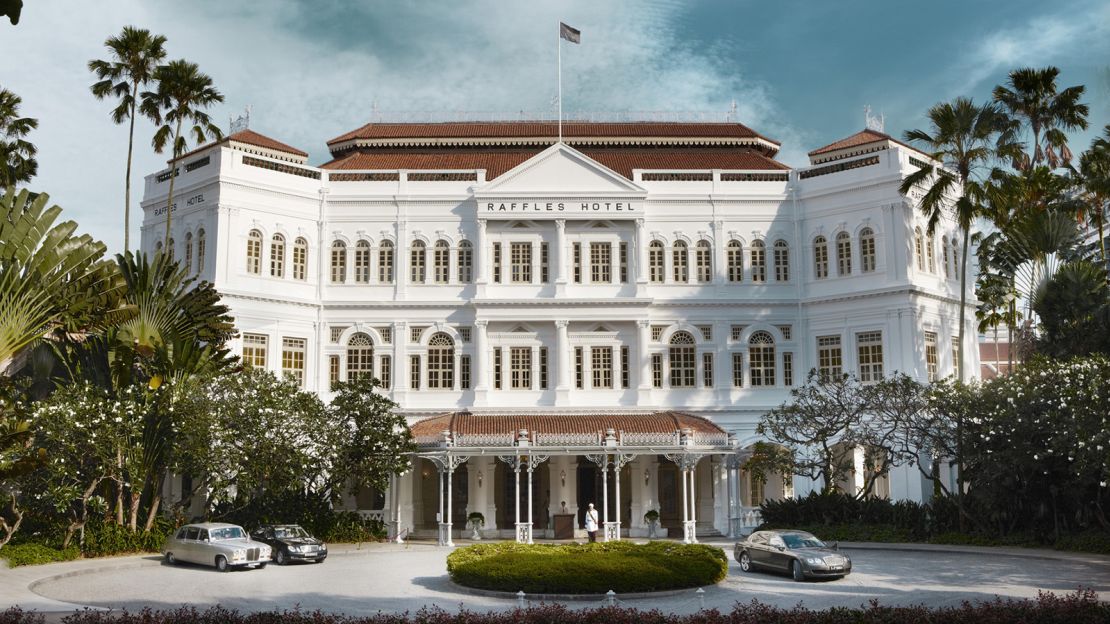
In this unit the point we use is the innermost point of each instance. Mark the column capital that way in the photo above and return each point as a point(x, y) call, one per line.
point(560, 223)
point(478, 323)
point(640, 222)
point(561, 323)
point(643, 323)
point(400, 323)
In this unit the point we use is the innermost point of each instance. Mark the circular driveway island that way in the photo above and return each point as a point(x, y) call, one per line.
point(395, 578)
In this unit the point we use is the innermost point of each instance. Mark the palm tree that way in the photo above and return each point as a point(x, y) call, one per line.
point(182, 95)
point(135, 55)
point(17, 155)
point(1093, 176)
point(1033, 102)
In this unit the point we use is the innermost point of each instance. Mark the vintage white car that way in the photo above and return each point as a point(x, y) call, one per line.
point(217, 544)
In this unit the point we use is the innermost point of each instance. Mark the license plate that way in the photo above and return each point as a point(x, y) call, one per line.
point(836, 567)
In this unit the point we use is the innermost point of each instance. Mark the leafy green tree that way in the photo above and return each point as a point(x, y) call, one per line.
point(18, 456)
point(1093, 175)
point(372, 441)
point(1074, 310)
point(11, 9)
point(1035, 104)
point(17, 154)
point(182, 95)
point(135, 55)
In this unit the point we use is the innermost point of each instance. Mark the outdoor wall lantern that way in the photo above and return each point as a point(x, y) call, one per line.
point(563, 477)
point(647, 476)
point(480, 478)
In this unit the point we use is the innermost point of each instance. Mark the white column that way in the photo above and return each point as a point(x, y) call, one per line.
point(481, 362)
point(643, 384)
point(401, 259)
point(481, 266)
point(531, 526)
point(685, 496)
point(719, 275)
point(400, 372)
point(617, 481)
point(562, 362)
point(516, 497)
point(639, 252)
point(536, 368)
point(447, 518)
point(605, 497)
point(560, 255)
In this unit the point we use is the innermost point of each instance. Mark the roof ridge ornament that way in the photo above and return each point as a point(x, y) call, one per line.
point(240, 123)
point(871, 122)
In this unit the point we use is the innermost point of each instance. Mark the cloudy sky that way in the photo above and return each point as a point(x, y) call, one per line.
point(799, 71)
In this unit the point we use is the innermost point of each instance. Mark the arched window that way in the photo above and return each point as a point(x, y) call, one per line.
point(782, 261)
point(930, 245)
point(362, 262)
point(703, 257)
point(200, 251)
point(277, 256)
point(759, 262)
point(158, 247)
point(385, 262)
point(360, 357)
point(417, 256)
point(867, 249)
point(683, 360)
point(441, 362)
point(843, 254)
point(820, 257)
point(338, 262)
point(466, 262)
point(442, 261)
point(656, 269)
point(761, 358)
point(300, 259)
point(254, 252)
point(189, 253)
point(680, 257)
point(170, 246)
point(955, 258)
point(919, 248)
point(735, 252)
point(944, 252)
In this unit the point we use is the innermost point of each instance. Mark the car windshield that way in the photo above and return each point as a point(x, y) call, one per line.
point(294, 531)
point(225, 533)
point(802, 540)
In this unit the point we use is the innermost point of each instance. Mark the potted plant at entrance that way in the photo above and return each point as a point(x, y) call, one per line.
point(652, 518)
point(476, 521)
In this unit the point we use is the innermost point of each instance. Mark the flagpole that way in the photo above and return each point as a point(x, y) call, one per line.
point(559, 63)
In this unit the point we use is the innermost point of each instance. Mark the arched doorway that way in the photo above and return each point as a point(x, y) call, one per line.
point(426, 496)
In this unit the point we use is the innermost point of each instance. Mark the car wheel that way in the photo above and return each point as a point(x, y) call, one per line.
point(170, 559)
point(796, 571)
point(281, 558)
point(745, 562)
point(221, 564)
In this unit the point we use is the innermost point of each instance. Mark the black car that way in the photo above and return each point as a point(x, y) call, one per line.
point(291, 543)
point(794, 552)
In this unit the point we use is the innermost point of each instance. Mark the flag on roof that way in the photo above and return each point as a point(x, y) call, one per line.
point(572, 35)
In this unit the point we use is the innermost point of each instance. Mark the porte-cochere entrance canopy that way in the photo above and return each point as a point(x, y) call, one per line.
point(604, 443)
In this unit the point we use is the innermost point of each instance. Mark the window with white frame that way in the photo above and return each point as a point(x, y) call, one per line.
point(919, 248)
point(333, 370)
point(955, 258)
point(707, 370)
point(254, 252)
point(497, 368)
point(441, 362)
point(292, 358)
point(656, 370)
point(464, 372)
point(703, 261)
point(300, 259)
point(362, 262)
point(869, 346)
point(956, 355)
point(466, 262)
point(843, 254)
point(656, 269)
point(930, 245)
point(682, 360)
point(496, 263)
point(756, 489)
point(946, 258)
point(830, 362)
point(254, 350)
point(623, 262)
point(545, 263)
point(360, 357)
point(601, 262)
point(543, 368)
point(576, 253)
point(601, 367)
point(761, 359)
point(679, 259)
point(520, 263)
point(441, 261)
point(867, 249)
point(787, 368)
point(520, 368)
point(735, 259)
point(418, 255)
point(338, 262)
point(385, 262)
point(277, 256)
point(579, 368)
point(385, 375)
point(759, 262)
point(188, 252)
point(414, 372)
point(820, 257)
point(737, 370)
point(626, 368)
point(782, 261)
point(201, 243)
point(931, 355)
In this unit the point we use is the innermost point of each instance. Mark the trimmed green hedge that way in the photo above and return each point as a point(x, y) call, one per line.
point(35, 554)
point(620, 566)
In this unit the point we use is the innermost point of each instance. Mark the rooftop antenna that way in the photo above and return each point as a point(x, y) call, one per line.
point(871, 122)
point(731, 115)
point(375, 114)
point(240, 123)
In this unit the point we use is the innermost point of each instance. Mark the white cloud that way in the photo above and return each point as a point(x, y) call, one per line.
point(308, 82)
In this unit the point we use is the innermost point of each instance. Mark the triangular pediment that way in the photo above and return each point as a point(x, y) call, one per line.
point(558, 170)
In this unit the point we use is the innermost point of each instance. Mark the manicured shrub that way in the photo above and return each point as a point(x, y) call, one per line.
point(587, 568)
point(36, 554)
point(104, 539)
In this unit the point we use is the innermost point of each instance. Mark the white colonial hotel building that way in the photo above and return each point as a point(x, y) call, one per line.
point(632, 298)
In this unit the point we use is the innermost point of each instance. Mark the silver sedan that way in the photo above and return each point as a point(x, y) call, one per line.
point(224, 546)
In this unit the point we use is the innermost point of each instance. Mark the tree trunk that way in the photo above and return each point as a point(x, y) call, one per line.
point(962, 372)
point(155, 502)
point(9, 530)
point(127, 180)
point(119, 487)
point(173, 178)
point(136, 499)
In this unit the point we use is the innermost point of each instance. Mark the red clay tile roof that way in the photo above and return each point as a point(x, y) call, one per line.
point(619, 159)
point(549, 129)
point(250, 137)
point(644, 422)
point(863, 137)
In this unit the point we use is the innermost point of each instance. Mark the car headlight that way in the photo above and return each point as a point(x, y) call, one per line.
point(296, 548)
point(323, 546)
point(239, 554)
point(814, 560)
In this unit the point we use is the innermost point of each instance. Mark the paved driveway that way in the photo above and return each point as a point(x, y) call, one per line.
point(404, 578)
